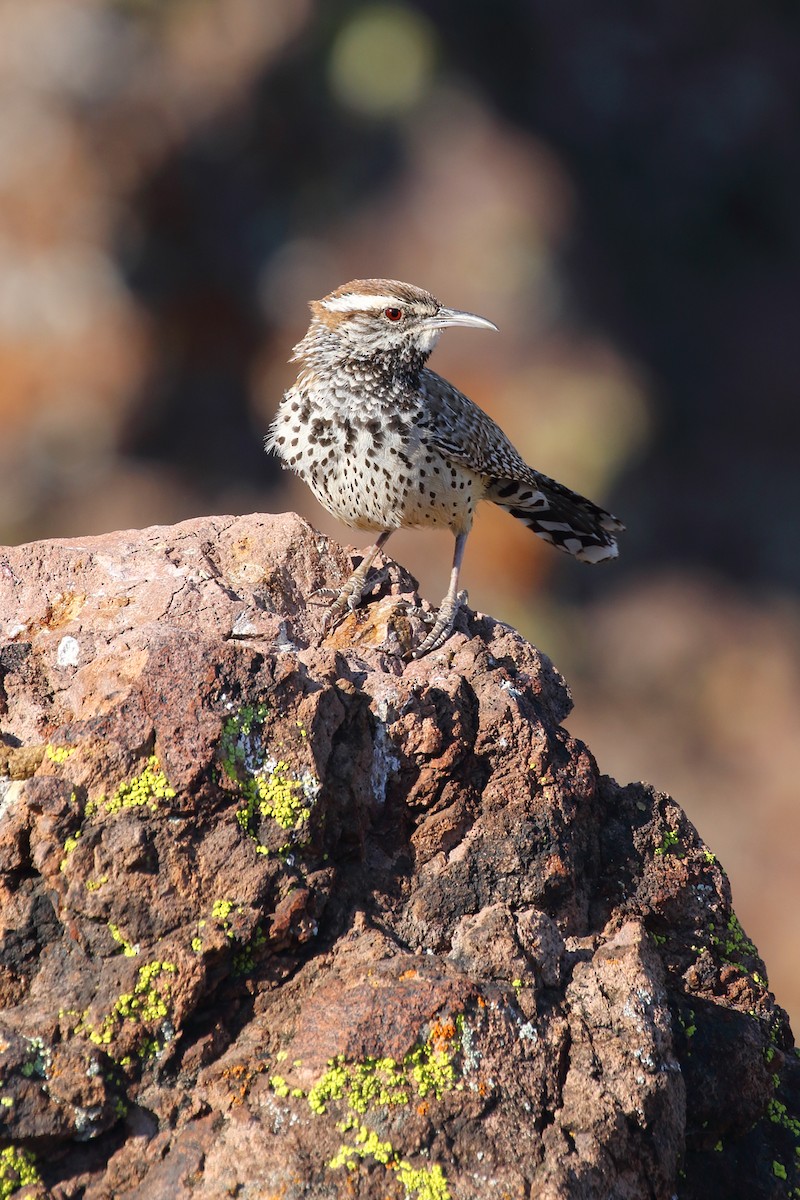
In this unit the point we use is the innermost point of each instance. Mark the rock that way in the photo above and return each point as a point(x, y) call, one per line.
point(286, 914)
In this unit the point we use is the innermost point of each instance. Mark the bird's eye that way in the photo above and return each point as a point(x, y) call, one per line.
point(393, 314)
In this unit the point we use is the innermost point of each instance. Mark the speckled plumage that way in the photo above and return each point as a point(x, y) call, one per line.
point(384, 442)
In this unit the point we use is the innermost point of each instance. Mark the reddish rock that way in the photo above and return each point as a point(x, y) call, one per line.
point(287, 914)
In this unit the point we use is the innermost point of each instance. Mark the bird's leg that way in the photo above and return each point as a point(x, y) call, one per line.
point(349, 595)
point(448, 610)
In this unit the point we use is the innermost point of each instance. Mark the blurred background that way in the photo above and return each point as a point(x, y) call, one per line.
point(616, 186)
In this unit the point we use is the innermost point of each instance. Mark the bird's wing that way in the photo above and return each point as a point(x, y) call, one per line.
point(462, 432)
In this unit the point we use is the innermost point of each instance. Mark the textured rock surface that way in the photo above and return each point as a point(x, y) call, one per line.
point(289, 916)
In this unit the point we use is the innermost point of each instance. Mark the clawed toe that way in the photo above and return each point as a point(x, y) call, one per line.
point(324, 594)
point(443, 625)
point(348, 597)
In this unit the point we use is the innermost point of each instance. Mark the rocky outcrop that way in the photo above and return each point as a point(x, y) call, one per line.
point(285, 914)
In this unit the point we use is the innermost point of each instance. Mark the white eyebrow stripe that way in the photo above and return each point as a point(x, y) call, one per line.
point(356, 301)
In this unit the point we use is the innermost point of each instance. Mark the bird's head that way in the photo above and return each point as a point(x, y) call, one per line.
point(384, 319)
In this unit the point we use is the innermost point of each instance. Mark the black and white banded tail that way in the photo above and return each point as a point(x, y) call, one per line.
point(561, 517)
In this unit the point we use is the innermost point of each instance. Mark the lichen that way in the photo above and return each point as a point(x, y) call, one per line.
point(59, 754)
point(69, 845)
point(270, 789)
point(17, 1170)
point(426, 1183)
point(240, 742)
point(145, 789)
point(38, 1063)
point(669, 842)
point(244, 957)
point(732, 946)
point(366, 1144)
point(220, 911)
point(129, 950)
point(148, 1003)
point(779, 1115)
point(360, 1089)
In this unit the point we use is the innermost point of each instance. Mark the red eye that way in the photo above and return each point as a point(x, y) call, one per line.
point(393, 314)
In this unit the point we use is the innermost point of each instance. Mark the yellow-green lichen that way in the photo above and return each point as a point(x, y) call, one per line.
point(129, 950)
point(669, 842)
point(17, 1170)
point(94, 885)
point(150, 1048)
point(427, 1072)
point(37, 1063)
point(220, 911)
point(150, 1001)
point(59, 754)
point(732, 945)
point(69, 845)
point(244, 957)
point(366, 1144)
point(424, 1183)
point(779, 1115)
point(239, 745)
point(276, 793)
point(270, 789)
point(283, 797)
point(145, 789)
point(687, 1024)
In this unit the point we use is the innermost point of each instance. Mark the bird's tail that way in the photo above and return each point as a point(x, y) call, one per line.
point(566, 520)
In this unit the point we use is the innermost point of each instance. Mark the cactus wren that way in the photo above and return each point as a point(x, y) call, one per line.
point(384, 443)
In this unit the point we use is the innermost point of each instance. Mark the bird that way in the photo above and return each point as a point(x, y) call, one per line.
point(385, 443)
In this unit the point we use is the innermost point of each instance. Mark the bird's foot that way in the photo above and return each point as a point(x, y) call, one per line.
point(350, 595)
point(321, 596)
point(443, 625)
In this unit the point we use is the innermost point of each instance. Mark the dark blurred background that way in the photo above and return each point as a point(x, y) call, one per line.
point(615, 185)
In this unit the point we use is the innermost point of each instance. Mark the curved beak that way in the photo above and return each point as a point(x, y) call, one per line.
point(452, 316)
